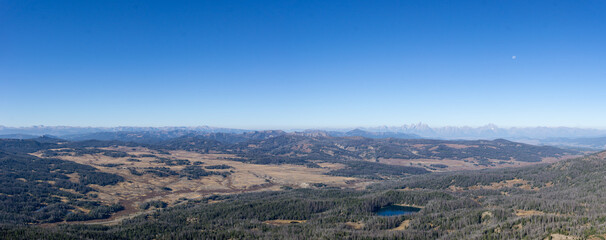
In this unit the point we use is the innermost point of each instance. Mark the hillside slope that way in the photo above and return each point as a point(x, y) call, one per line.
point(300, 149)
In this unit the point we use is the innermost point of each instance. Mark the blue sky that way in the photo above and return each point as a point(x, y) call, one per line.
point(302, 64)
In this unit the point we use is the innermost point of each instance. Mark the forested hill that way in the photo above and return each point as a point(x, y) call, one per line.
point(275, 146)
point(40, 190)
point(299, 148)
point(363, 157)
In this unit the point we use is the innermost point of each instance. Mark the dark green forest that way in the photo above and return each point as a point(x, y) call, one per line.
point(36, 190)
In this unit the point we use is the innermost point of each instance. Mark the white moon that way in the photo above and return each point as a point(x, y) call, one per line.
point(513, 57)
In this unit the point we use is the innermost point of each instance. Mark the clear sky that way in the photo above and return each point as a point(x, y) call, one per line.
point(302, 64)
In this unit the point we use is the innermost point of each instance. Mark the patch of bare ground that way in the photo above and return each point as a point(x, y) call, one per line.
point(331, 166)
point(460, 146)
point(403, 226)
point(557, 236)
point(410, 189)
point(408, 205)
point(454, 188)
point(283, 222)
point(82, 209)
point(597, 237)
point(355, 225)
point(516, 182)
point(486, 217)
point(526, 213)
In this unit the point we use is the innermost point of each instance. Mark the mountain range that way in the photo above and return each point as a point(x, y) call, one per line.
point(586, 138)
point(490, 131)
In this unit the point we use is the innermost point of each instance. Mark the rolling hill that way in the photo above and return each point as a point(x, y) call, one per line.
point(554, 201)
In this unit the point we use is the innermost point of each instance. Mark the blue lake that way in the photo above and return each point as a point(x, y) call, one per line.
point(395, 210)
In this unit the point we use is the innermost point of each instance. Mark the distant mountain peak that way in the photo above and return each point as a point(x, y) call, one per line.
point(312, 133)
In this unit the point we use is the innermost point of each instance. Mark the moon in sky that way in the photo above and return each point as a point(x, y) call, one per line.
point(513, 57)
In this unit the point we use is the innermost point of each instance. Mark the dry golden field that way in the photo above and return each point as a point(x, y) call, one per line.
point(243, 177)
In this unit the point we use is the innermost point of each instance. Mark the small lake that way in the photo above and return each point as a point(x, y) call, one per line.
point(395, 210)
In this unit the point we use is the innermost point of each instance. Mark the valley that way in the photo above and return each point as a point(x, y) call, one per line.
point(274, 184)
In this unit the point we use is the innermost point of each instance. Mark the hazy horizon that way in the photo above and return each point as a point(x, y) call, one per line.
point(301, 128)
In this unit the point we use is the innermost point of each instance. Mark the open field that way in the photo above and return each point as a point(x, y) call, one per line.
point(239, 178)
